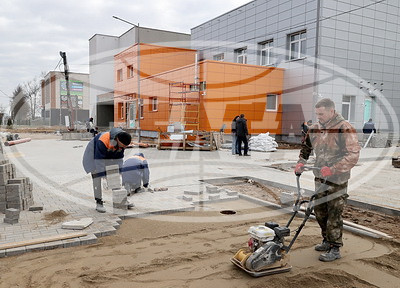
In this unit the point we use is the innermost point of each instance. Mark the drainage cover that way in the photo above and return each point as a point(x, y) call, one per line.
point(227, 212)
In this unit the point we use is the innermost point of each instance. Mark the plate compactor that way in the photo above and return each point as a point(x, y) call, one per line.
point(267, 253)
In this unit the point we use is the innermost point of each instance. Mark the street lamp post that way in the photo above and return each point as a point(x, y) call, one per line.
point(138, 71)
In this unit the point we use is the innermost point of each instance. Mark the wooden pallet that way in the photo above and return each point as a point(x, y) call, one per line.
point(196, 140)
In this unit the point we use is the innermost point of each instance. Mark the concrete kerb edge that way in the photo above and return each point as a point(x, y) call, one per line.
point(288, 188)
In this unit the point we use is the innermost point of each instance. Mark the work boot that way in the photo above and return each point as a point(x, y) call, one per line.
point(100, 207)
point(331, 255)
point(324, 246)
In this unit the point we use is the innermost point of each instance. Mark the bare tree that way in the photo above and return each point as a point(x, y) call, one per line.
point(32, 91)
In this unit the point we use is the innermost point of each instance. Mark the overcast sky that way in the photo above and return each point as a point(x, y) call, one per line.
point(34, 31)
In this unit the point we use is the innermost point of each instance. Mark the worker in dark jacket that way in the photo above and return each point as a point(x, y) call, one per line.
point(135, 172)
point(105, 149)
point(241, 134)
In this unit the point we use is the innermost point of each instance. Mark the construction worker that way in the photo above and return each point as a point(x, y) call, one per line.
point(105, 149)
point(241, 134)
point(135, 171)
point(336, 149)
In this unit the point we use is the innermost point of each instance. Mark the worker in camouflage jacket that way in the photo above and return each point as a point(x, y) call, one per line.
point(336, 148)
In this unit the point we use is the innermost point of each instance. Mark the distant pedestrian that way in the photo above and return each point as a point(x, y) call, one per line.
point(242, 133)
point(369, 127)
point(235, 149)
point(89, 124)
point(105, 149)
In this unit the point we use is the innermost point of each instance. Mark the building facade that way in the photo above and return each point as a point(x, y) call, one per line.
point(199, 95)
point(54, 96)
point(102, 49)
point(343, 50)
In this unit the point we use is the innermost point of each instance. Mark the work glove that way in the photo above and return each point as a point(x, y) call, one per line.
point(299, 169)
point(326, 171)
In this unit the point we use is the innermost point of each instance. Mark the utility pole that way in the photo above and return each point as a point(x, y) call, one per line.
point(69, 102)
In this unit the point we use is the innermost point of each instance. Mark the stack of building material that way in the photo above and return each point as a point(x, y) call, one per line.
point(14, 192)
point(113, 177)
point(12, 216)
point(120, 199)
point(263, 143)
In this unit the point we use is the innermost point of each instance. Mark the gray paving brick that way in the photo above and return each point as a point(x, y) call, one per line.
point(53, 245)
point(15, 251)
point(35, 247)
point(88, 240)
point(2, 253)
point(108, 231)
point(71, 242)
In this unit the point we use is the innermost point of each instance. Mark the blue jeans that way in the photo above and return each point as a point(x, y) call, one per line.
point(234, 144)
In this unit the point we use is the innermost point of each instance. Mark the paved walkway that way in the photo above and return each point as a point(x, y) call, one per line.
point(60, 183)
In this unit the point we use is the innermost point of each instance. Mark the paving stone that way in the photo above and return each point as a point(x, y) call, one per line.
point(231, 193)
point(53, 245)
point(15, 251)
point(10, 221)
point(193, 192)
point(77, 224)
point(108, 232)
point(187, 198)
point(71, 242)
point(214, 197)
point(35, 208)
point(2, 253)
point(88, 240)
point(212, 189)
point(35, 247)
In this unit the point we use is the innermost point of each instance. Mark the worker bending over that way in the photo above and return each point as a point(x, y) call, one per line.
point(135, 172)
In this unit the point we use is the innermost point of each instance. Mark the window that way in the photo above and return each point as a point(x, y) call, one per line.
point(153, 103)
point(194, 88)
point(121, 110)
point(348, 108)
point(266, 52)
point(130, 71)
point(272, 102)
point(203, 86)
point(241, 55)
point(297, 45)
point(219, 57)
point(119, 75)
point(141, 110)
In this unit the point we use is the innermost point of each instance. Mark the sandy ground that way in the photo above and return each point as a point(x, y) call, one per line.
point(193, 249)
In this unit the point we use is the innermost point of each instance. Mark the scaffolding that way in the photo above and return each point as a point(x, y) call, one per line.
point(184, 104)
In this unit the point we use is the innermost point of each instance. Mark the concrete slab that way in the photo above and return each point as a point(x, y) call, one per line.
point(77, 224)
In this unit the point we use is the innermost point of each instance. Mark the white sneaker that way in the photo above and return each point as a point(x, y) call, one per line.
point(100, 208)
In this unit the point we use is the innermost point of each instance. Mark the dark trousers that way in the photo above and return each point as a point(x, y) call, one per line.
point(243, 139)
point(98, 195)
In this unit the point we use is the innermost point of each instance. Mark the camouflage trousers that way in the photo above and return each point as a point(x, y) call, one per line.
point(328, 208)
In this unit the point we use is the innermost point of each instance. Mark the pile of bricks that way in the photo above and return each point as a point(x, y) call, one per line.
point(12, 216)
point(14, 192)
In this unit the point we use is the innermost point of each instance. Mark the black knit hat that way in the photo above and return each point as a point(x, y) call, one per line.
point(124, 137)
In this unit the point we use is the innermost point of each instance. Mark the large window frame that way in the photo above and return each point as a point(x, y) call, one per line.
point(219, 57)
point(129, 71)
point(271, 102)
point(241, 55)
point(153, 104)
point(297, 45)
point(266, 50)
point(349, 107)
